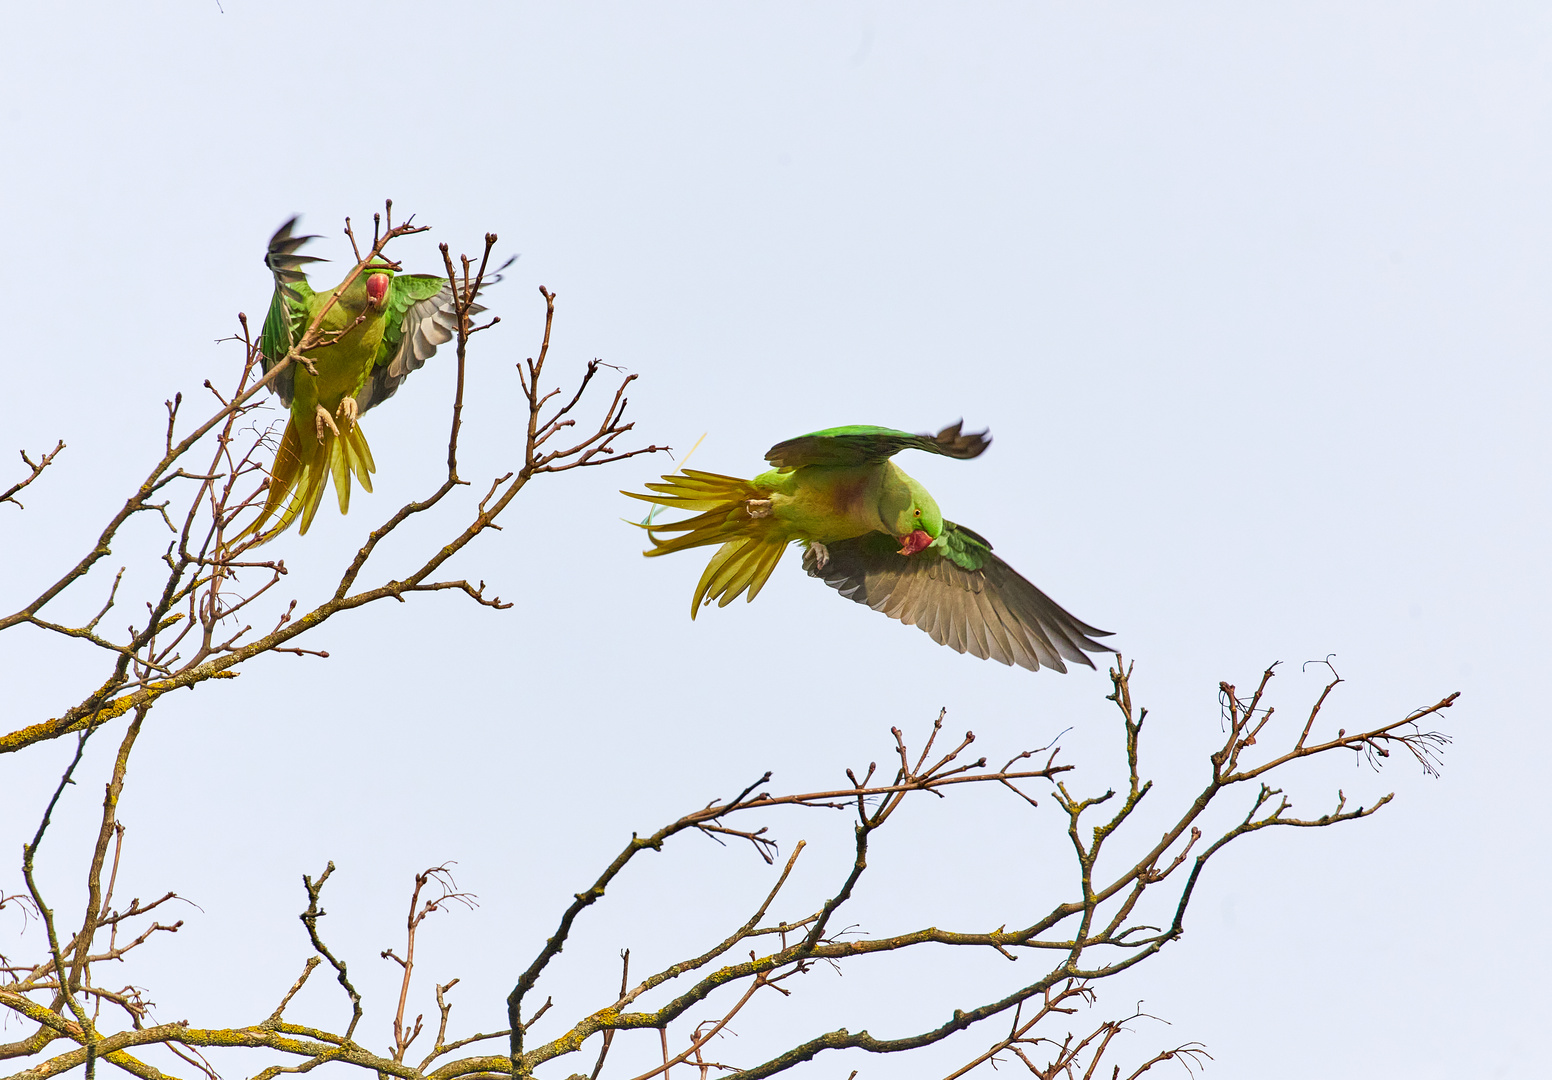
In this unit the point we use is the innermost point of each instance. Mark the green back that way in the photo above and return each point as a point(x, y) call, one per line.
point(862, 444)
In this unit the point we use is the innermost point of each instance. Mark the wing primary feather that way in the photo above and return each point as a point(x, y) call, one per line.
point(996, 634)
point(972, 603)
point(1023, 655)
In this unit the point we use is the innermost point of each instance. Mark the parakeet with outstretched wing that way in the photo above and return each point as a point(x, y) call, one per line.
point(873, 534)
point(388, 324)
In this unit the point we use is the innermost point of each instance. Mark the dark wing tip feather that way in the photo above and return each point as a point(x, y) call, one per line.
point(955, 443)
point(496, 275)
point(281, 254)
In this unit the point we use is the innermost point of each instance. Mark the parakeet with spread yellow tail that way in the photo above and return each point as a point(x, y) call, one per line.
point(387, 323)
point(874, 535)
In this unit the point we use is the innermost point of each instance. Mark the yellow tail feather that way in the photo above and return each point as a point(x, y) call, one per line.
point(724, 499)
point(337, 452)
point(363, 465)
point(696, 490)
point(752, 541)
point(738, 565)
point(303, 465)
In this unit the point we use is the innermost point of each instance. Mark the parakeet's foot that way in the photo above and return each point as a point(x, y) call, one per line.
point(324, 420)
point(821, 554)
point(348, 411)
point(758, 508)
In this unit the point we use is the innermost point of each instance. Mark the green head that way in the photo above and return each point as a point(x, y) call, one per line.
point(908, 512)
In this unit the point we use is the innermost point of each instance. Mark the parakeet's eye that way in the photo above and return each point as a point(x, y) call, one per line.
point(916, 512)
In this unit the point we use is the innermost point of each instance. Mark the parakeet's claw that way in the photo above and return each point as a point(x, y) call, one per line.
point(323, 420)
point(348, 412)
point(821, 555)
point(758, 508)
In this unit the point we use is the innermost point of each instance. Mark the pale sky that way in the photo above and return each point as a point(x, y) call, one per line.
point(1253, 301)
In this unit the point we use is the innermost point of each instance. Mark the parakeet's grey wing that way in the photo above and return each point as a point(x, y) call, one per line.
point(429, 319)
point(427, 324)
point(860, 444)
point(288, 304)
point(962, 595)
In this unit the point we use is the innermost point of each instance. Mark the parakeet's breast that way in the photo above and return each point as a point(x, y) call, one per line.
point(343, 367)
point(826, 503)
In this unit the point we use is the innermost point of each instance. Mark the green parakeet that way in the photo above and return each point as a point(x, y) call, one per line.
point(392, 323)
point(874, 535)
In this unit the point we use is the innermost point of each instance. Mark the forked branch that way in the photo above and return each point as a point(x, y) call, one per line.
point(37, 467)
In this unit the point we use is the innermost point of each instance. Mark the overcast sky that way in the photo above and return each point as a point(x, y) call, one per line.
point(1253, 300)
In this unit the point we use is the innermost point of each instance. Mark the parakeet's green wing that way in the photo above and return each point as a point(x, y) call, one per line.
point(861, 444)
point(286, 320)
point(961, 594)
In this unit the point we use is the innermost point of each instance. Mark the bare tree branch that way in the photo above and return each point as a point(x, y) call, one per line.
point(37, 467)
point(210, 591)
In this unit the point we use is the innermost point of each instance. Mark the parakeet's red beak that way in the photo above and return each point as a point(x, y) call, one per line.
point(910, 545)
point(377, 289)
